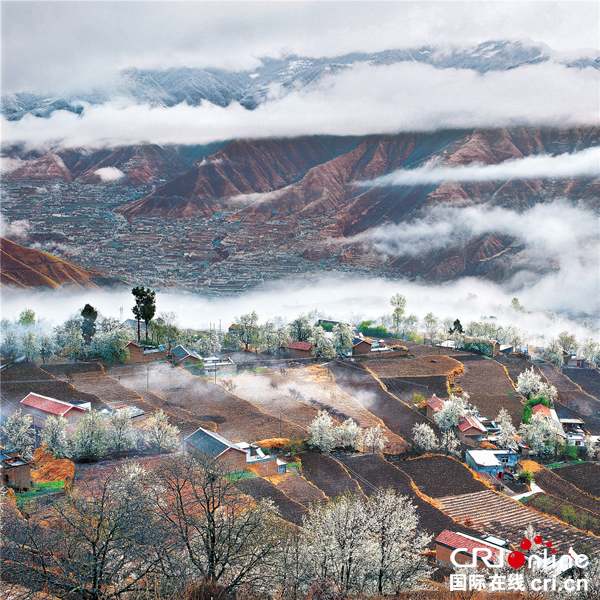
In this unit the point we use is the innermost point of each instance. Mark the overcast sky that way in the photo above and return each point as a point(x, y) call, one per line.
point(50, 46)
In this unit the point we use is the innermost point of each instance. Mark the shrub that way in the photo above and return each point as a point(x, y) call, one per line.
point(526, 476)
point(569, 515)
point(544, 503)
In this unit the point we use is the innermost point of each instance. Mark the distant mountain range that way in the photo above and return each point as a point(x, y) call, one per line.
point(278, 77)
point(298, 197)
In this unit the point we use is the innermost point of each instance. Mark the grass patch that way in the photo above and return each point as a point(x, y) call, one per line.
point(511, 393)
point(564, 464)
point(39, 490)
point(294, 468)
point(241, 475)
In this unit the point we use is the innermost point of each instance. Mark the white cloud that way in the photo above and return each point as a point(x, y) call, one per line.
point(50, 45)
point(15, 230)
point(10, 164)
point(579, 164)
point(109, 174)
point(545, 229)
point(359, 101)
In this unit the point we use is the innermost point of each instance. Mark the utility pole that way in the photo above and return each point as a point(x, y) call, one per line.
point(280, 436)
point(147, 374)
point(182, 442)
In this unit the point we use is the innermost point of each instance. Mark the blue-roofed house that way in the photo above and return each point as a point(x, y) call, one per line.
point(182, 356)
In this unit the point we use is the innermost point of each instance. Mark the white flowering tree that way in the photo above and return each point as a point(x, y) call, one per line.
point(161, 433)
point(507, 434)
point(322, 345)
point(342, 338)
point(111, 345)
point(54, 436)
point(398, 562)
point(118, 430)
point(454, 409)
point(424, 437)
point(374, 439)
point(89, 439)
point(348, 435)
point(541, 435)
point(18, 434)
point(530, 385)
point(321, 432)
point(450, 443)
point(370, 546)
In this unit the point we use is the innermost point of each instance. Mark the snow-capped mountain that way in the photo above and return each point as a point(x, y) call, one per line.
point(252, 88)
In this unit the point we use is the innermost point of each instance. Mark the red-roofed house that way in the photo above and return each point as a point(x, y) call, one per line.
point(470, 428)
point(434, 404)
point(542, 411)
point(448, 541)
point(40, 407)
point(300, 349)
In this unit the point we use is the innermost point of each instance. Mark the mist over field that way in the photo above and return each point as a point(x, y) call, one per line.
point(348, 298)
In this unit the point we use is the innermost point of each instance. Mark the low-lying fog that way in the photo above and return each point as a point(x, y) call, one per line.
point(350, 298)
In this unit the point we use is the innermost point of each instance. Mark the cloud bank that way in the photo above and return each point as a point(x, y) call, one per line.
point(50, 46)
point(359, 101)
point(579, 164)
point(109, 174)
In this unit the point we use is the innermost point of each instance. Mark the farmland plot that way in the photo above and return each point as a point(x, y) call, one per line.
point(21, 378)
point(572, 396)
point(437, 476)
point(588, 380)
point(422, 366)
point(356, 381)
point(551, 482)
point(375, 472)
point(260, 489)
point(585, 476)
point(490, 388)
point(236, 419)
point(313, 389)
point(328, 475)
point(298, 489)
point(491, 512)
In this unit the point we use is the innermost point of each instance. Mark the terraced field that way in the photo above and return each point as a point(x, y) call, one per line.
point(585, 476)
point(236, 419)
point(552, 483)
point(420, 366)
point(375, 472)
point(19, 379)
point(298, 489)
point(489, 387)
point(587, 379)
point(328, 475)
point(571, 396)
point(356, 381)
point(437, 476)
point(260, 488)
point(490, 512)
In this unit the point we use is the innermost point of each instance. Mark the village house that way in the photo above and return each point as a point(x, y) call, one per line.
point(573, 429)
point(182, 357)
point(433, 405)
point(361, 347)
point(142, 353)
point(235, 456)
point(499, 463)
point(471, 430)
point(40, 407)
point(218, 448)
point(449, 541)
point(15, 472)
point(299, 349)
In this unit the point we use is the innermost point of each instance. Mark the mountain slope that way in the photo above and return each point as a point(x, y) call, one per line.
point(23, 268)
point(252, 88)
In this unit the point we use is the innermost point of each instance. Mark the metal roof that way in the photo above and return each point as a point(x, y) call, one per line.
point(210, 443)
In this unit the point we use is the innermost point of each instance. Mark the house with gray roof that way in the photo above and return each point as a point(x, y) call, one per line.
point(218, 448)
point(182, 356)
